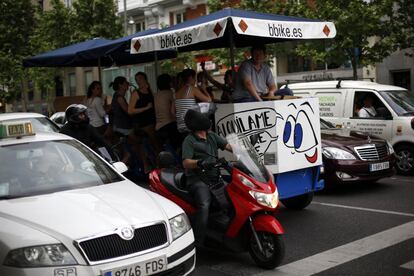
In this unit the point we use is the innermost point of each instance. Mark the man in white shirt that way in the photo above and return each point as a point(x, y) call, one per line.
point(368, 109)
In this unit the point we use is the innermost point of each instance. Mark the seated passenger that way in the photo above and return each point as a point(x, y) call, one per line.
point(367, 110)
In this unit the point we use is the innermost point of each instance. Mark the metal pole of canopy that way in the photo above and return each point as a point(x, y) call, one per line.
point(99, 70)
point(231, 44)
point(156, 64)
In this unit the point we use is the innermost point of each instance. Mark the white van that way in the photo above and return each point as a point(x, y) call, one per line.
point(342, 103)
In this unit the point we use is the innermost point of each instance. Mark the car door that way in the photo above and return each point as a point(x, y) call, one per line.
point(379, 125)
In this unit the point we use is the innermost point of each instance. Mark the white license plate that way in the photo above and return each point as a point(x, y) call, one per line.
point(139, 269)
point(379, 166)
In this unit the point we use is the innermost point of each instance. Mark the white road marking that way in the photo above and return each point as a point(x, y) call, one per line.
point(346, 253)
point(409, 265)
point(327, 259)
point(364, 209)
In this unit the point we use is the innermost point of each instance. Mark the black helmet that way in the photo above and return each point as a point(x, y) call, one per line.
point(195, 120)
point(72, 114)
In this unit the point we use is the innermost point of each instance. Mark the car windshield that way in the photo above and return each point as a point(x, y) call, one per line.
point(40, 124)
point(402, 102)
point(326, 124)
point(51, 166)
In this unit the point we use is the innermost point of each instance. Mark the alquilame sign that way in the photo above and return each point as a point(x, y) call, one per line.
point(288, 131)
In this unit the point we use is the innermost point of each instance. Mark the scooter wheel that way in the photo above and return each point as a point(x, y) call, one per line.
point(273, 250)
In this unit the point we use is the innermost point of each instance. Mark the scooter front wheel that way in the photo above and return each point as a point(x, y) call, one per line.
point(273, 249)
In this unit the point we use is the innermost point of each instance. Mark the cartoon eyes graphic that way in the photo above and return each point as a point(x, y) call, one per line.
point(293, 134)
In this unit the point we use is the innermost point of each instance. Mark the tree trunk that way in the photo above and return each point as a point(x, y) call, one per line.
point(354, 68)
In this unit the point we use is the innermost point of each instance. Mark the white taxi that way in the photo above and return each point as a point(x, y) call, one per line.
point(65, 211)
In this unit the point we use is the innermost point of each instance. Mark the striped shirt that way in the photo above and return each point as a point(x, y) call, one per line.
point(181, 107)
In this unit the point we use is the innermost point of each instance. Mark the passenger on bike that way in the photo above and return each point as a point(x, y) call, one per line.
point(200, 166)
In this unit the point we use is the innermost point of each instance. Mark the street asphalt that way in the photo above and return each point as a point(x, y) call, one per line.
point(356, 229)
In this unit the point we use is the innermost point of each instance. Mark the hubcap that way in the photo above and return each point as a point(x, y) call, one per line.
point(267, 245)
point(405, 160)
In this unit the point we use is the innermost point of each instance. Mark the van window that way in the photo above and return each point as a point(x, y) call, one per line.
point(402, 101)
point(331, 104)
point(368, 105)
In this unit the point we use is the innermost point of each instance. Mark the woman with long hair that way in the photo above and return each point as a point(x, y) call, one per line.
point(94, 103)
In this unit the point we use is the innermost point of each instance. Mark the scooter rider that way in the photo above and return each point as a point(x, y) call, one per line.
point(78, 127)
point(199, 166)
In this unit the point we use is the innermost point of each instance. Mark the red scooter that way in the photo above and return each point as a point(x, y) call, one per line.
point(249, 223)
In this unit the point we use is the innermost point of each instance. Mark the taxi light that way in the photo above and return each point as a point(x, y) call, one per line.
point(16, 129)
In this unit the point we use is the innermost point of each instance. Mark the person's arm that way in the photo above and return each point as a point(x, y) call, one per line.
point(122, 103)
point(248, 84)
point(190, 164)
point(200, 95)
point(172, 106)
point(100, 107)
point(210, 78)
point(133, 101)
point(270, 81)
point(272, 89)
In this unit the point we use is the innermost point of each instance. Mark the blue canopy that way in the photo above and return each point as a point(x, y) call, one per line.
point(97, 52)
point(232, 28)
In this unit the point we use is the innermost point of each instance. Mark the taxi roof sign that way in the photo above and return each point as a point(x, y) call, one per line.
point(16, 129)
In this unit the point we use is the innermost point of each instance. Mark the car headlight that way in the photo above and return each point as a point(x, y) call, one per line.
point(179, 226)
point(38, 256)
point(246, 181)
point(268, 200)
point(390, 148)
point(335, 153)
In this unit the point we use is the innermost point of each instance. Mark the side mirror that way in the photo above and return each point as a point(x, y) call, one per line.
point(120, 167)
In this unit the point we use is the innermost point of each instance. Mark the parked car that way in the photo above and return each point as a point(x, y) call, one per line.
point(65, 211)
point(40, 122)
point(340, 102)
point(59, 118)
point(352, 156)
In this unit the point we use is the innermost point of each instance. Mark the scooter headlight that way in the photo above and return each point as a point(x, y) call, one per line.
point(268, 200)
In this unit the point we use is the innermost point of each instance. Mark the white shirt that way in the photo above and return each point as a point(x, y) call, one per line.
point(367, 112)
point(96, 112)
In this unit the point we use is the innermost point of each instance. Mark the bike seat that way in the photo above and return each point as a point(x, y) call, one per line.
point(175, 182)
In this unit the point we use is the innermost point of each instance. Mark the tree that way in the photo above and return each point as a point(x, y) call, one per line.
point(16, 25)
point(53, 30)
point(366, 30)
point(95, 18)
point(402, 17)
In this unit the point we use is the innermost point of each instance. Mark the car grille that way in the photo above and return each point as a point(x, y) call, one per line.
point(113, 246)
point(372, 152)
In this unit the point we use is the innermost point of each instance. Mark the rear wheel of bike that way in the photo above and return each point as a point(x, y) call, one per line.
point(273, 250)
